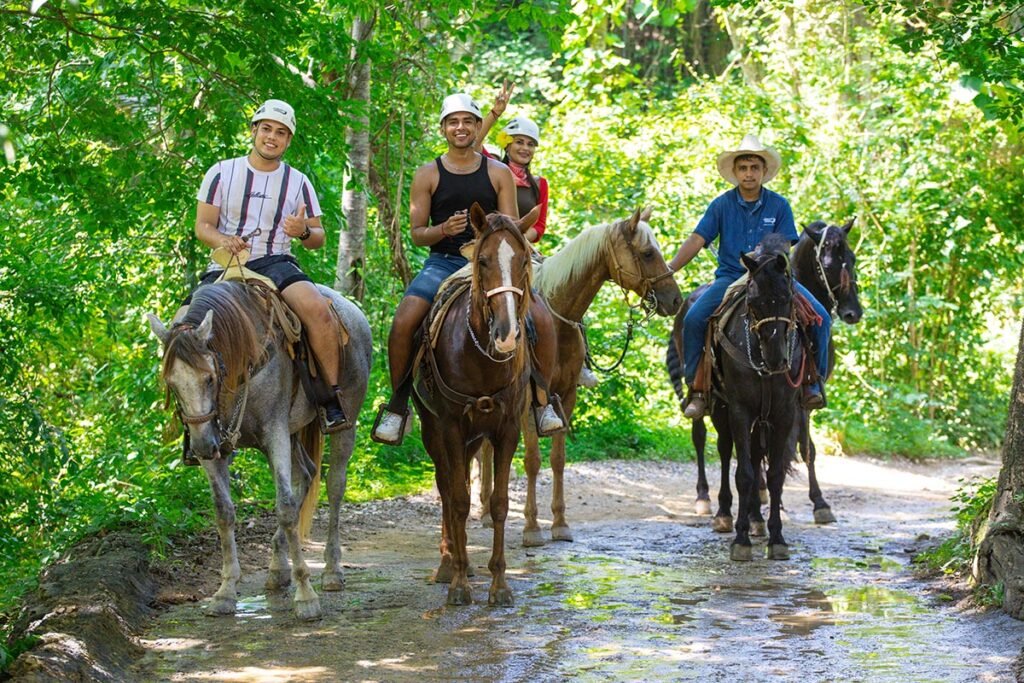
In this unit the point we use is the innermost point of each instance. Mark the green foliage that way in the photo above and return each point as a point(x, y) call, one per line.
point(971, 505)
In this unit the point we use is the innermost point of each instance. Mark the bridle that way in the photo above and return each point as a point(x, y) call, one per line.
point(819, 267)
point(647, 283)
point(488, 294)
point(755, 324)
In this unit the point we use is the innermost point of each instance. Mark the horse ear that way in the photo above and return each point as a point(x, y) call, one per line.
point(849, 225)
point(748, 263)
point(645, 215)
point(752, 289)
point(814, 231)
point(782, 262)
point(159, 329)
point(634, 220)
point(477, 218)
point(527, 221)
point(205, 330)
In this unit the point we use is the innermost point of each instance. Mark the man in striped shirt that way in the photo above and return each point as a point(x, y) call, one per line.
point(259, 192)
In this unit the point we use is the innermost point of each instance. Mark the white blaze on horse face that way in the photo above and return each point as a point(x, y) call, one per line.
point(505, 255)
point(193, 389)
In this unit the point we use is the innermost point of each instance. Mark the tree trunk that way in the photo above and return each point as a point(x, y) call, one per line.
point(348, 273)
point(390, 221)
point(1000, 557)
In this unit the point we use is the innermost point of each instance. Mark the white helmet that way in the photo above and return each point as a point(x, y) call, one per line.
point(276, 110)
point(521, 125)
point(459, 102)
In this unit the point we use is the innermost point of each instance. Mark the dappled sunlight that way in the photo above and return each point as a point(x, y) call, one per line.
point(262, 674)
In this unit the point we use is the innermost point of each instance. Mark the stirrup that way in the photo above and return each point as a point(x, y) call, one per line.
point(696, 406)
point(325, 426)
point(187, 456)
point(556, 405)
point(382, 411)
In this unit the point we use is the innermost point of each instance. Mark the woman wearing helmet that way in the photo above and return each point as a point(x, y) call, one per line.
point(519, 140)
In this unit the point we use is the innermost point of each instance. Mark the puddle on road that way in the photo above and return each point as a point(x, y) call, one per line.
point(633, 600)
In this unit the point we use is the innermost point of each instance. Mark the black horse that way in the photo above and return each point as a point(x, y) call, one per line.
point(755, 393)
point(824, 263)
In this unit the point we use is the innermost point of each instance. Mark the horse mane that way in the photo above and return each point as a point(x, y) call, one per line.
point(236, 335)
point(571, 261)
point(772, 245)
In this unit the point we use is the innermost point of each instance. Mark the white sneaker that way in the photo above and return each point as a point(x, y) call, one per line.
point(548, 421)
point(588, 378)
point(389, 430)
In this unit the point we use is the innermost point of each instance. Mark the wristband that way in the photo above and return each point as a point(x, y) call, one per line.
point(305, 234)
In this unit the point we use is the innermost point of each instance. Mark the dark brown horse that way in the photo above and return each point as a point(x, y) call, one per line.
point(472, 385)
point(825, 264)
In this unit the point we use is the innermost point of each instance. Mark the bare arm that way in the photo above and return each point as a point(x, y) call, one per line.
point(691, 247)
point(296, 224)
point(424, 234)
point(497, 109)
point(207, 218)
point(505, 185)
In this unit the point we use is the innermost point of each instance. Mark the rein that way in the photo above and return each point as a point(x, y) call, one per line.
point(819, 268)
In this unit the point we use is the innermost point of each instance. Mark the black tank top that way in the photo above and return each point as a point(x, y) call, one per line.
point(526, 199)
point(456, 193)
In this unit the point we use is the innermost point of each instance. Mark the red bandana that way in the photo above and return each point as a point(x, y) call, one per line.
point(519, 173)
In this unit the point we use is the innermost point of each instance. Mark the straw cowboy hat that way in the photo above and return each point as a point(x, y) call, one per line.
point(750, 145)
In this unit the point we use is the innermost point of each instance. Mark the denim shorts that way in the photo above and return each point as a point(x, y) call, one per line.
point(436, 268)
point(283, 269)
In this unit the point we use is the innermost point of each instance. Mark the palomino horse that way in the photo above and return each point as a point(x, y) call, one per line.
point(473, 385)
point(235, 385)
point(625, 252)
point(757, 401)
point(823, 263)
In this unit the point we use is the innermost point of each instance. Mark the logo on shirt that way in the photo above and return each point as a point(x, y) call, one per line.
point(260, 195)
point(769, 220)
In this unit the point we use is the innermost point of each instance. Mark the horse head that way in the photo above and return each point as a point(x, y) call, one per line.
point(638, 265)
point(207, 352)
point(769, 296)
point(502, 274)
point(836, 266)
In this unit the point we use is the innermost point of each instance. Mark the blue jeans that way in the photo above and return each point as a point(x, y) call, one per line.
point(436, 269)
point(695, 325)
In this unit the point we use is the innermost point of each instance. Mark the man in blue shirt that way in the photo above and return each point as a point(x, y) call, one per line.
point(739, 218)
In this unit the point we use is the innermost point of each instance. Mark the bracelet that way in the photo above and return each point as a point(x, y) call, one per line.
point(443, 233)
point(305, 234)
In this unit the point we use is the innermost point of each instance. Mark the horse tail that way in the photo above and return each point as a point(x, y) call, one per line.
point(675, 369)
point(312, 441)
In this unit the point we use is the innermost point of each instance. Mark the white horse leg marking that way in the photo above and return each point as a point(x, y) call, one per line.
point(505, 255)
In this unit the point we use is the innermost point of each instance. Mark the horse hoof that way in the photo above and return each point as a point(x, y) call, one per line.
point(460, 595)
point(308, 610)
point(444, 574)
point(561, 533)
point(824, 516)
point(778, 551)
point(486, 521)
point(332, 581)
point(722, 525)
point(501, 597)
point(277, 580)
point(470, 570)
point(757, 529)
point(702, 507)
point(533, 538)
point(741, 553)
point(222, 607)
point(763, 494)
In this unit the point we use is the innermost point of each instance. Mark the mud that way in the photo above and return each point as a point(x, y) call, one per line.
point(646, 592)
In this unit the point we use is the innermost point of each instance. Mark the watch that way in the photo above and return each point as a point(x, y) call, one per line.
point(305, 234)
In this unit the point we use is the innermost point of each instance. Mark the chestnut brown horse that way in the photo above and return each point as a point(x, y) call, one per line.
point(625, 252)
point(470, 386)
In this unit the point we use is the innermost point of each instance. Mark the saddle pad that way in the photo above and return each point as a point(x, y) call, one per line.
point(730, 303)
point(234, 267)
point(454, 285)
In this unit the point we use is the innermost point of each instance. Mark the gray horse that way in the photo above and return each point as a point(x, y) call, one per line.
point(235, 385)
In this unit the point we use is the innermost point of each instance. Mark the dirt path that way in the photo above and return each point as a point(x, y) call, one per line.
point(646, 592)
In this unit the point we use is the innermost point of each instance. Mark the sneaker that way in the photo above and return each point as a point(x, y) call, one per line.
point(389, 428)
point(587, 378)
point(696, 407)
point(548, 422)
point(813, 396)
point(333, 419)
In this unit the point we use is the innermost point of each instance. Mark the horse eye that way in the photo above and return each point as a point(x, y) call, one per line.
point(649, 254)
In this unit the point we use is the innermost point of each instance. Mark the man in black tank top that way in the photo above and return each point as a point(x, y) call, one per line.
point(442, 192)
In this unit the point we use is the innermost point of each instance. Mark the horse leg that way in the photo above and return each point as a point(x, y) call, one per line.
point(740, 550)
point(459, 592)
point(532, 534)
point(822, 510)
point(486, 459)
point(500, 595)
point(559, 526)
point(305, 602)
point(762, 487)
point(279, 575)
point(722, 522)
point(225, 599)
point(758, 462)
point(777, 460)
point(699, 435)
point(342, 442)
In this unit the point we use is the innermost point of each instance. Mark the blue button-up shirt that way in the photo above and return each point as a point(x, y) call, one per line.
point(739, 226)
